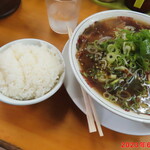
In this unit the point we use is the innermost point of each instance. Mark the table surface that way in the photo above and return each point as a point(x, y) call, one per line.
point(56, 123)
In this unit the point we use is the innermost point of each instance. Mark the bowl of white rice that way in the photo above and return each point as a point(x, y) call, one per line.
point(31, 70)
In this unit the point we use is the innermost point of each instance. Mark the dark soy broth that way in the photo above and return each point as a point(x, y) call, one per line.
point(106, 53)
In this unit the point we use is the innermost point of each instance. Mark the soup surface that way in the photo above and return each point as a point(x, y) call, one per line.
point(114, 56)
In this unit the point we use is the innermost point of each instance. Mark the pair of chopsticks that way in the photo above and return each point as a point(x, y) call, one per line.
point(91, 114)
point(92, 118)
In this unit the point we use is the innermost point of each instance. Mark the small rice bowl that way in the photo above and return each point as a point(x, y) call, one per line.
point(29, 71)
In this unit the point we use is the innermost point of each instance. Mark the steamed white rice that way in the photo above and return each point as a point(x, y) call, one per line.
point(29, 71)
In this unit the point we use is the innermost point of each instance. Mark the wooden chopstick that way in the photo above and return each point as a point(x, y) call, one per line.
point(98, 124)
point(91, 114)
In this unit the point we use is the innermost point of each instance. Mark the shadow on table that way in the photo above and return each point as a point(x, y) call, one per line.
point(61, 105)
point(47, 114)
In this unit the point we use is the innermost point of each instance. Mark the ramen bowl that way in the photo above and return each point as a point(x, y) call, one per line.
point(77, 68)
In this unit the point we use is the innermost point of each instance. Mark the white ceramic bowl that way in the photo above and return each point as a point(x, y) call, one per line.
point(76, 68)
point(11, 101)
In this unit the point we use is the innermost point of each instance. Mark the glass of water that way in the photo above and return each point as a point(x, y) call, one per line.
point(63, 15)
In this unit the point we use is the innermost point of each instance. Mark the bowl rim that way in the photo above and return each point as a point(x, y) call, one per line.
point(128, 115)
point(12, 101)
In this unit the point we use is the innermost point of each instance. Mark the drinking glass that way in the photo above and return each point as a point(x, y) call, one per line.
point(63, 14)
